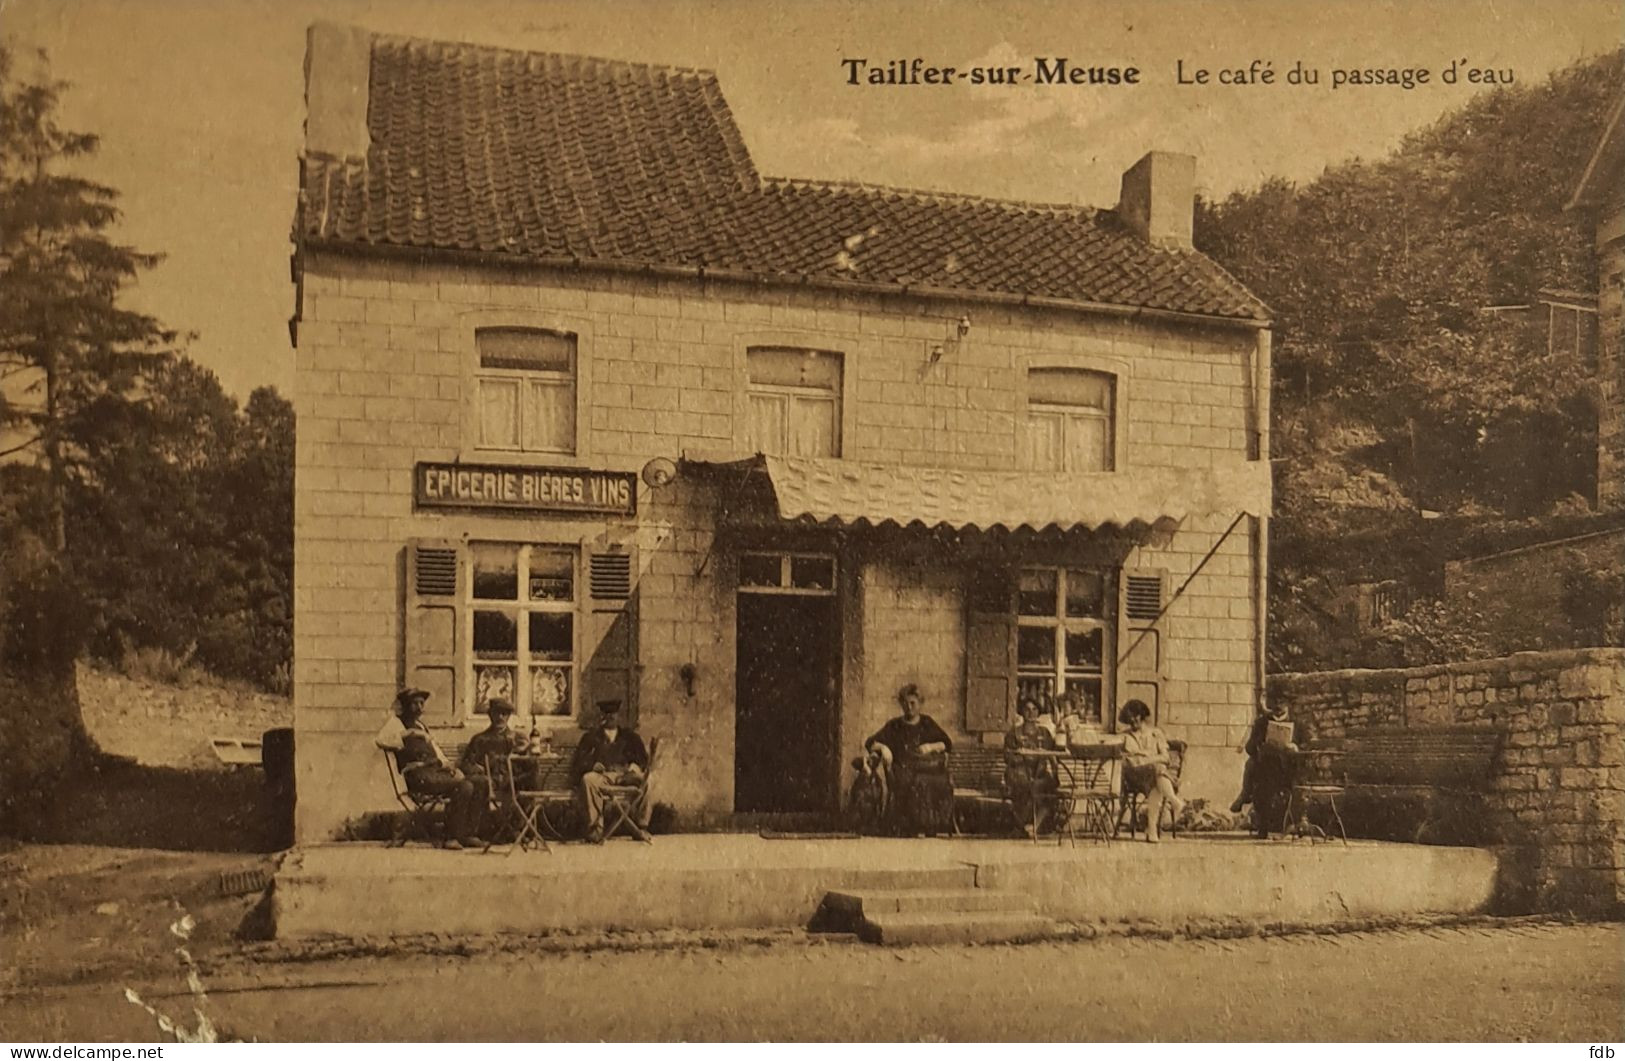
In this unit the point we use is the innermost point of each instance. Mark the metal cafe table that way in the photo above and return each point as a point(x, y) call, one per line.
point(1086, 783)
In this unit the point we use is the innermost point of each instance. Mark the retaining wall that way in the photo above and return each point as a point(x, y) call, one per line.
point(1556, 803)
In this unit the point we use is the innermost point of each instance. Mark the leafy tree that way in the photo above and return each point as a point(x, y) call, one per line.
point(193, 502)
point(64, 340)
point(1394, 391)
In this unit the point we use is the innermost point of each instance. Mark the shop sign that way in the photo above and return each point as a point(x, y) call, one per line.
point(495, 486)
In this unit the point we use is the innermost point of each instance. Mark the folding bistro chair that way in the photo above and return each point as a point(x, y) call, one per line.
point(1095, 770)
point(525, 802)
point(425, 813)
point(620, 800)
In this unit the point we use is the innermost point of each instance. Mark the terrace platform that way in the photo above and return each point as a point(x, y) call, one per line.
point(722, 881)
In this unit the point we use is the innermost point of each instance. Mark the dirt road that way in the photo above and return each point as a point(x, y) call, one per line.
point(1546, 981)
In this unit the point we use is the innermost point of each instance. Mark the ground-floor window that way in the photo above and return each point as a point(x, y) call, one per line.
point(1061, 617)
point(1061, 634)
point(522, 619)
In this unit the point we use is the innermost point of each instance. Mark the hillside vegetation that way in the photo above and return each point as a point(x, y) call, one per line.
point(1395, 393)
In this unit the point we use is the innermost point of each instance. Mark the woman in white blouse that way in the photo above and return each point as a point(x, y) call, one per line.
point(1145, 757)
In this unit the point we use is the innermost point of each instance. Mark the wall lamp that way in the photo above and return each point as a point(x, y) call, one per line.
point(689, 673)
point(961, 329)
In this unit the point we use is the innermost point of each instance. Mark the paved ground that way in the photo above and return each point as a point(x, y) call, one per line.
point(1543, 982)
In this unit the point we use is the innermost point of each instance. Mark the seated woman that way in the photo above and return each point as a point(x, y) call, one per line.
point(921, 796)
point(1026, 779)
point(1145, 766)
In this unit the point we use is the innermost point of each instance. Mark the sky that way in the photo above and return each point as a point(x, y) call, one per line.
point(200, 104)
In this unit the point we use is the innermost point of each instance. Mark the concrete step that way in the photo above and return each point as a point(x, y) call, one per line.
point(966, 926)
point(857, 902)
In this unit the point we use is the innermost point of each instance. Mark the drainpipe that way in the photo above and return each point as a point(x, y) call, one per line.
point(1261, 522)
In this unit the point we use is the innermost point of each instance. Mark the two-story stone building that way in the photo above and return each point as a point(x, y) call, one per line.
point(589, 409)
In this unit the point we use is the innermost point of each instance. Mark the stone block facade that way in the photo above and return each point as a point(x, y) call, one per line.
point(1557, 800)
point(386, 360)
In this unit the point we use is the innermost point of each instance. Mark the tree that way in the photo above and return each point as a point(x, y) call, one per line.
point(1394, 391)
point(64, 340)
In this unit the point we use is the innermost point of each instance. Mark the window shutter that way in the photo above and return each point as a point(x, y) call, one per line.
point(609, 630)
point(433, 622)
point(1141, 674)
point(990, 651)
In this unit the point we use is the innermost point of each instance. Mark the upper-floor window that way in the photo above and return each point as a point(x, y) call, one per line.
point(526, 390)
point(1071, 420)
point(795, 401)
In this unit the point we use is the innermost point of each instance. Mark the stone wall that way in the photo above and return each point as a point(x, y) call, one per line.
point(1556, 803)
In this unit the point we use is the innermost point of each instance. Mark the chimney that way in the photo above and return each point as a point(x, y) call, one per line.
point(1158, 201)
point(338, 62)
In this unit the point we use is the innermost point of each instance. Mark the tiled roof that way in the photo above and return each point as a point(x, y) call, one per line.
point(558, 158)
point(1146, 498)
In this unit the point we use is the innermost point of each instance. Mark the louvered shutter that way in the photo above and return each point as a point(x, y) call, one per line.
point(435, 571)
point(609, 643)
point(990, 650)
point(1141, 675)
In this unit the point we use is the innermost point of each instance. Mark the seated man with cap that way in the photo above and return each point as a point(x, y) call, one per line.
point(485, 759)
point(424, 768)
point(611, 754)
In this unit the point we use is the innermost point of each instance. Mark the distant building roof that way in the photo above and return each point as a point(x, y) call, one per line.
point(567, 160)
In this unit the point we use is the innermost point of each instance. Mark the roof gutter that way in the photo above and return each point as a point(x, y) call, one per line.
point(742, 276)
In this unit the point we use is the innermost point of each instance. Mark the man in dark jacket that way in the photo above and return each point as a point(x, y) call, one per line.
point(612, 755)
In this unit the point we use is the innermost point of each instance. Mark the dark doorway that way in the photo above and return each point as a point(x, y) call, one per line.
point(786, 696)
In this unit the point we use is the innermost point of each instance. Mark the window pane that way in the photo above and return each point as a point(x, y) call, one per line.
point(812, 572)
point(496, 571)
point(551, 635)
point(552, 575)
point(526, 349)
point(1037, 688)
point(1083, 649)
point(767, 423)
point(550, 416)
point(759, 569)
point(1043, 439)
point(1083, 698)
point(1035, 646)
point(813, 427)
point(1068, 386)
point(499, 413)
point(1037, 592)
point(496, 635)
point(1085, 594)
point(550, 690)
point(790, 367)
point(492, 682)
point(1087, 444)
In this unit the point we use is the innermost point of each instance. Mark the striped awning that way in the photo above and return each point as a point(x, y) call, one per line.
point(1136, 499)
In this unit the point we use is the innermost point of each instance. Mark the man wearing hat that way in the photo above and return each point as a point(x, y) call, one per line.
point(424, 768)
point(485, 759)
point(611, 754)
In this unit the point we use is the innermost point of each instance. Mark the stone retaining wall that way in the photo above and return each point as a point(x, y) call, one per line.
point(1556, 804)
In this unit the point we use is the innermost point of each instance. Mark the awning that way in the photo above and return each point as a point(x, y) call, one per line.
point(1134, 499)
